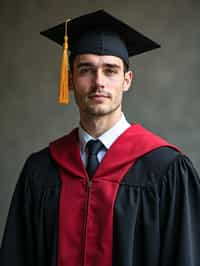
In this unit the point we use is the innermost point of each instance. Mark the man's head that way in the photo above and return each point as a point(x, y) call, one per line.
point(99, 82)
point(101, 35)
point(99, 72)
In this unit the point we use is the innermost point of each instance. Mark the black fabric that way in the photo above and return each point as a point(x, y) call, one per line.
point(100, 43)
point(156, 214)
point(30, 236)
point(93, 147)
point(134, 42)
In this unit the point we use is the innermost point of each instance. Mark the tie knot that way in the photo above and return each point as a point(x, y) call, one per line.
point(94, 146)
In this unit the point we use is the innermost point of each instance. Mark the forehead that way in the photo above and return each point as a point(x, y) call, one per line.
point(98, 60)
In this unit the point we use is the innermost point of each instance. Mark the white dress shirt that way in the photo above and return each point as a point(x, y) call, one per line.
point(107, 138)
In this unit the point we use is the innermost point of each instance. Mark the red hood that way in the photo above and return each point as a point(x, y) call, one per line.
point(133, 143)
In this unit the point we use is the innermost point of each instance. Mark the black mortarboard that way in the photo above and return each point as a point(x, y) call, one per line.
point(100, 33)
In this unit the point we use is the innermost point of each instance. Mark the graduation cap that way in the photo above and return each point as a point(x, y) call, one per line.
point(97, 33)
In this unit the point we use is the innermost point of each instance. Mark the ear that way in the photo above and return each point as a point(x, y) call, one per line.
point(128, 78)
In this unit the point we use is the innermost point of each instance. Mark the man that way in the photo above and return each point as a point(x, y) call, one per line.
point(139, 206)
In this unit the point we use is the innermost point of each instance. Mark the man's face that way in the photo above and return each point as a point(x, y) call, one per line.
point(98, 83)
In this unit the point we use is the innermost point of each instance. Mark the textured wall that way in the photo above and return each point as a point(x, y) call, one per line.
point(164, 95)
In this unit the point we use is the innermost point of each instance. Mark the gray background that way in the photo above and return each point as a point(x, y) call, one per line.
point(164, 96)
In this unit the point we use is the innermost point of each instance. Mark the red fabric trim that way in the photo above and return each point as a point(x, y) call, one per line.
point(85, 235)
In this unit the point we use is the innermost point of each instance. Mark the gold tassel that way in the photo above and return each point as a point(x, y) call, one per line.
point(64, 78)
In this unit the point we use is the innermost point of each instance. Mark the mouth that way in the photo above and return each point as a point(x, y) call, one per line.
point(98, 96)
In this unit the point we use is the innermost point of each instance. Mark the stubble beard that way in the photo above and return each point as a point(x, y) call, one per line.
point(96, 111)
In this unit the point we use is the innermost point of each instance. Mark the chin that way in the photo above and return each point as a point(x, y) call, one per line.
point(99, 111)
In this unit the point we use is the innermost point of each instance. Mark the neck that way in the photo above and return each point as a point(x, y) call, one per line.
point(96, 126)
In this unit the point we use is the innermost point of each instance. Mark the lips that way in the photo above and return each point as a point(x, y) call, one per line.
point(98, 96)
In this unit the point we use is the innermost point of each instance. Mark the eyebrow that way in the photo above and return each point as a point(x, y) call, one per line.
point(84, 64)
point(89, 64)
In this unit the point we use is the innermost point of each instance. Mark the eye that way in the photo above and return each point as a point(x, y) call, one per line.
point(85, 70)
point(110, 71)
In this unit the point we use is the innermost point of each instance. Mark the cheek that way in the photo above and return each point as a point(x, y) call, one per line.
point(116, 86)
point(82, 84)
point(81, 89)
point(117, 81)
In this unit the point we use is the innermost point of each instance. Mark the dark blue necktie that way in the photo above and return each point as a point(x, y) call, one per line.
point(93, 147)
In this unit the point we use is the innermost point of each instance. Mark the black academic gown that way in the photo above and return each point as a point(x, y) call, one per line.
point(156, 213)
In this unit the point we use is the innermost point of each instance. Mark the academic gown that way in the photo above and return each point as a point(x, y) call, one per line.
point(142, 207)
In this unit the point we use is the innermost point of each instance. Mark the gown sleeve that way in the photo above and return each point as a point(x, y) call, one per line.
point(180, 215)
point(17, 245)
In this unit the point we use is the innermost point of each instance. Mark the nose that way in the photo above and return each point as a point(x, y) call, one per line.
point(99, 78)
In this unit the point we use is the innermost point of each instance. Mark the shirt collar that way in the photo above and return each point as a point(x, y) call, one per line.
point(108, 137)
